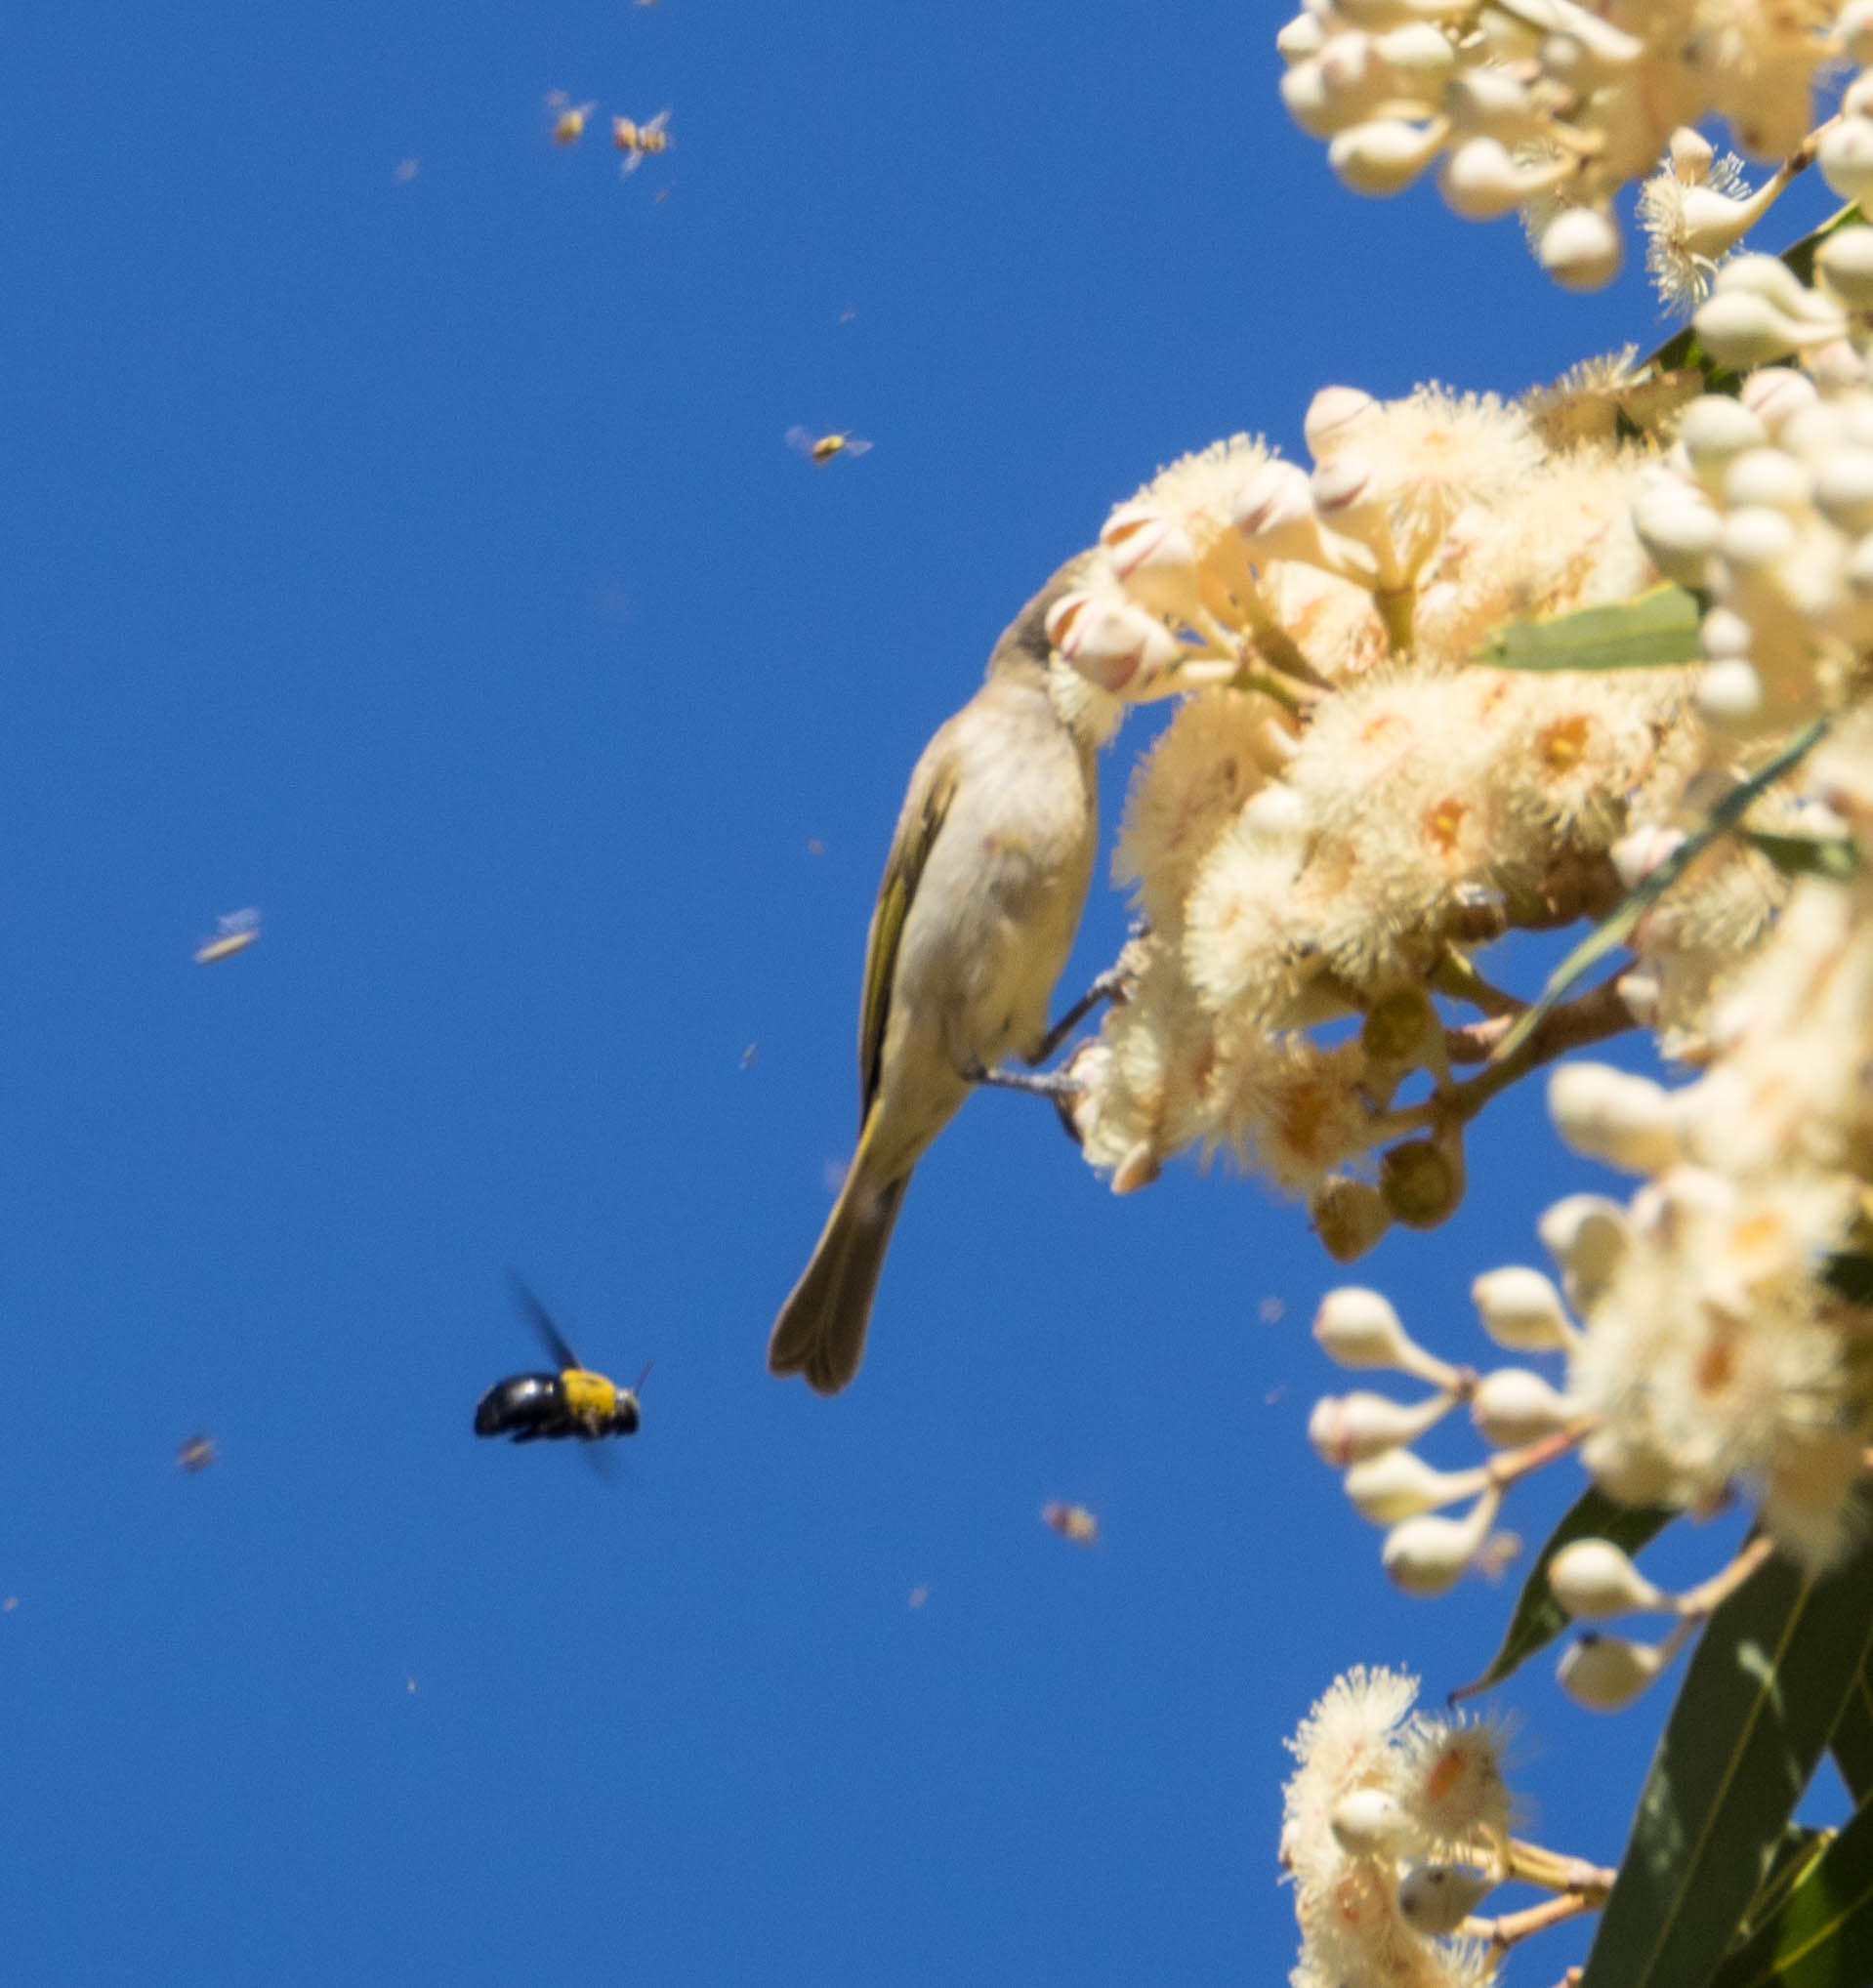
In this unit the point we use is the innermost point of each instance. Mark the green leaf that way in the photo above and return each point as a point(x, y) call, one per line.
point(1822, 1934)
point(1805, 856)
point(1617, 926)
point(1848, 1274)
point(1789, 1862)
point(1765, 1690)
point(1852, 1740)
point(1657, 628)
point(1539, 1618)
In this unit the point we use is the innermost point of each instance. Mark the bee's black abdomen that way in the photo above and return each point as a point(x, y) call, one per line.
point(526, 1404)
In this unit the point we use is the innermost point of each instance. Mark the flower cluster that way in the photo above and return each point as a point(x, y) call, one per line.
point(1766, 501)
point(1396, 1827)
point(1720, 1350)
point(1346, 807)
point(1551, 107)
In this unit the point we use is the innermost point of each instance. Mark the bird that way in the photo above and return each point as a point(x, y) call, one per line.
point(977, 912)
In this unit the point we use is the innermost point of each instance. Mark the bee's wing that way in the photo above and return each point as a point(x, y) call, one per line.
point(854, 446)
point(632, 161)
point(661, 121)
point(800, 441)
point(536, 1316)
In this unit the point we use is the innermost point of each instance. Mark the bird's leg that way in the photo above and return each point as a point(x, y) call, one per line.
point(1108, 986)
point(1054, 1083)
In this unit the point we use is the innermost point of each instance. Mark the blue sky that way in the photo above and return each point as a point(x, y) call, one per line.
point(419, 561)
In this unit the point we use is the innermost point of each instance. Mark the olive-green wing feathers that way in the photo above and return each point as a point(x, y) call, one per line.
point(917, 832)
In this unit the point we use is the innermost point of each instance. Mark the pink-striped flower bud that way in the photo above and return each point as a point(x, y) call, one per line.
point(1112, 643)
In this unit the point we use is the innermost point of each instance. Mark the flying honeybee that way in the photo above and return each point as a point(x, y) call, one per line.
point(822, 448)
point(196, 1453)
point(234, 934)
point(1071, 1522)
point(568, 119)
point(636, 142)
point(572, 1400)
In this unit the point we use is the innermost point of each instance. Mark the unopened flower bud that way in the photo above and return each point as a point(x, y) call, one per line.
point(1846, 158)
point(1153, 557)
point(1845, 263)
point(1421, 55)
point(1300, 38)
point(1383, 157)
point(1594, 1579)
point(1334, 416)
point(1366, 1822)
point(1487, 100)
point(1358, 1328)
point(1690, 154)
point(1351, 1218)
point(1112, 643)
point(1606, 1672)
point(1581, 248)
point(1276, 812)
point(1772, 278)
point(1843, 487)
point(1679, 531)
point(1587, 1236)
point(1422, 1180)
point(1397, 1026)
point(1434, 1899)
point(1608, 1114)
point(1520, 1309)
point(1756, 541)
point(1273, 511)
point(1396, 1484)
point(1713, 431)
point(1349, 1429)
point(1481, 180)
point(1722, 636)
point(1776, 395)
point(1740, 329)
point(1514, 1405)
point(1767, 477)
point(1730, 695)
point(1589, 51)
point(1426, 1556)
point(1854, 26)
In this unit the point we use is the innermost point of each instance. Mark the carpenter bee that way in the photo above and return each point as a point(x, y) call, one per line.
point(572, 1402)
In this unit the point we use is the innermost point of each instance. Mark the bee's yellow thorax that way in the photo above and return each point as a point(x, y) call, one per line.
point(587, 1393)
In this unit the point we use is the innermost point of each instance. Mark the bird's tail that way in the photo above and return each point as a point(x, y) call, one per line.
point(821, 1332)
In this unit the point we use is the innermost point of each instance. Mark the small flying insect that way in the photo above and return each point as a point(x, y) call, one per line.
point(572, 1402)
point(1071, 1522)
point(196, 1454)
point(822, 448)
point(568, 119)
point(639, 140)
point(234, 934)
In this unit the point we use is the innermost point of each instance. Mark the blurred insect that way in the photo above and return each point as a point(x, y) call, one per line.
point(407, 170)
point(195, 1454)
point(1500, 1552)
point(569, 121)
point(823, 448)
point(918, 1597)
point(1071, 1522)
point(573, 1401)
point(639, 140)
point(234, 934)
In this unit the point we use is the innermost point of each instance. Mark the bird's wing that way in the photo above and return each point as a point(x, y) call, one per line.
point(536, 1316)
point(918, 828)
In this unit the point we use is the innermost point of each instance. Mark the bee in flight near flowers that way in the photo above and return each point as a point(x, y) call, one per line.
point(636, 142)
point(570, 1401)
point(234, 934)
point(822, 448)
point(568, 119)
